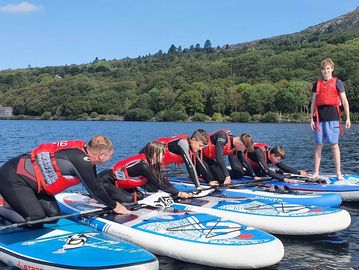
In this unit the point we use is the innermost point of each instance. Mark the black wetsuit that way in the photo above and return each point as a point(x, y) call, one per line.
point(139, 169)
point(216, 168)
point(18, 185)
point(240, 166)
point(263, 169)
point(182, 147)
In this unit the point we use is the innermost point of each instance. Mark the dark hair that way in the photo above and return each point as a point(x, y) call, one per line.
point(278, 151)
point(200, 135)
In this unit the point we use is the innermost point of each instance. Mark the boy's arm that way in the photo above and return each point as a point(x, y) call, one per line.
point(312, 106)
point(345, 103)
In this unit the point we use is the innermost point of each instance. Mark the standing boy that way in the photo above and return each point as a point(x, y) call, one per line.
point(327, 94)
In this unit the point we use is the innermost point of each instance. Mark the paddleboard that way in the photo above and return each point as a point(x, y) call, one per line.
point(275, 217)
point(69, 245)
point(348, 189)
point(292, 197)
point(197, 238)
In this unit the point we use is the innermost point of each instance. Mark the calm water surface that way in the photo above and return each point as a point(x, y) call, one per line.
point(334, 251)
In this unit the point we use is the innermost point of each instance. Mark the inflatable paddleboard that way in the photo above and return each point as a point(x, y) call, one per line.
point(309, 198)
point(69, 245)
point(197, 238)
point(275, 217)
point(348, 189)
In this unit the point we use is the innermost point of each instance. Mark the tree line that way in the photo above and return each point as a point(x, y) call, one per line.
point(268, 80)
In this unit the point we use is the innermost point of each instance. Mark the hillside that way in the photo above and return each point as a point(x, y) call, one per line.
point(248, 81)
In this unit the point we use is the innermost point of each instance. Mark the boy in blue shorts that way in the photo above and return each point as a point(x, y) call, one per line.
point(327, 95)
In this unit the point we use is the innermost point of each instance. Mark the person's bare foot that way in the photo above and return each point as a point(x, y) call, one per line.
point(340, 177)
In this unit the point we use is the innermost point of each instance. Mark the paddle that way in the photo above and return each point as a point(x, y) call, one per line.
point(249, 183)
point(207, 190)
point(305, 179)
point(50, 219)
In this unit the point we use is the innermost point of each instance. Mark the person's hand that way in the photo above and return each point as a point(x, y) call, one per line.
point(227, 180)
point(348, 123)
point(213, 183)
point(303, 173)
point(288, 180)
point(120, 209)
point(257, 178)
point(183, 195)
point(312, 124)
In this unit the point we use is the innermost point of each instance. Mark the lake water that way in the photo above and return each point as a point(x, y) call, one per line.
point(333, 251)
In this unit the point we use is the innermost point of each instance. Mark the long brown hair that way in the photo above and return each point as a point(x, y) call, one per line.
point(153, 151)
point(247, 140)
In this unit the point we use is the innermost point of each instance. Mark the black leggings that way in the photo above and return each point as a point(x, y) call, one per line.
point(212, 173)
point(21, 194)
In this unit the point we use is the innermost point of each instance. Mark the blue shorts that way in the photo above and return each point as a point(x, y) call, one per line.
point(328, 134)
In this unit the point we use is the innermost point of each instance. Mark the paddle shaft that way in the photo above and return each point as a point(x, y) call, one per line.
point(50, 219)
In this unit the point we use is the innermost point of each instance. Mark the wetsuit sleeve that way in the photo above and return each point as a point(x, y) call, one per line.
point(106, 176)
point(220, 142)
point(87, 174)
point(265, 167)
point(155, 184)
point(286, 168)
point(246, 164)
point(203, 170)
point(185, 153)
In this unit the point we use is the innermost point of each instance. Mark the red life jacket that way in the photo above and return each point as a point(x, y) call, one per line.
point(171, 158)
point(121, 176)
point(210, 150)
point(327, 94)
point(47, 172)
point(265, 149)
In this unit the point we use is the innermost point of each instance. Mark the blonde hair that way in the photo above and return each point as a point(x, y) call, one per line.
point(325, 62)
point(100, 143)
point(153, 151)
point(247, 140)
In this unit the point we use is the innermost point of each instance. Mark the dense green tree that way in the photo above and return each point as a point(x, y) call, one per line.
point(270, 75)
point(192, 101)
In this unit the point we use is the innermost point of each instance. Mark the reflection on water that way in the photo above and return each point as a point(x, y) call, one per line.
point(334, 251)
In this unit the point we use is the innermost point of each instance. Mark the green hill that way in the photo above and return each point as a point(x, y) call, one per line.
point(253, 80)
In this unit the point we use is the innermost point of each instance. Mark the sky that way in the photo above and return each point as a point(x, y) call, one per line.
point(40, 33)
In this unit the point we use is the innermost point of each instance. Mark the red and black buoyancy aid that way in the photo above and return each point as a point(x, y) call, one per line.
point(265, 149)
point(327, 94)
point(47, 171)
point(169, 157)
point(210, 150)
point(121, 176)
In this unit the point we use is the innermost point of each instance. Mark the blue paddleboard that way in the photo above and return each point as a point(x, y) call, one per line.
point(69, 245)
point(292, 197)
point(347, 189)
point(191, 237)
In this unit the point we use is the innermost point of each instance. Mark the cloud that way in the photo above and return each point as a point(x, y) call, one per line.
point(23, 7)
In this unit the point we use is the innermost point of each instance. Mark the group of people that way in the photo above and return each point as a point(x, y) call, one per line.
point(30, 181)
